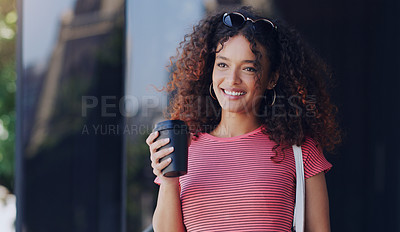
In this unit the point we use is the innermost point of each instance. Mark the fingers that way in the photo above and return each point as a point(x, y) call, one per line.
point(162, 153)
point(157, 152)
point(157, 168)
point(154, 147)
point(151, 137)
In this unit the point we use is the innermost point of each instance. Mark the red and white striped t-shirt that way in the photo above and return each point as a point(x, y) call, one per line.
point(233, 185)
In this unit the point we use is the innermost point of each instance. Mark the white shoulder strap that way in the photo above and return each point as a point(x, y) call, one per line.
point(299, 207)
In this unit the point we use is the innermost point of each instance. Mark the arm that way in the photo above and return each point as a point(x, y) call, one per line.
point(168, 213)
point(317, 204)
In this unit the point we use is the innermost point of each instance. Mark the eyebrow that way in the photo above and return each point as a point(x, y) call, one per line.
point(244, 61)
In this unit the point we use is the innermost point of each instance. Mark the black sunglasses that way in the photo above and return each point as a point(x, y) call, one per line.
point(237, 20)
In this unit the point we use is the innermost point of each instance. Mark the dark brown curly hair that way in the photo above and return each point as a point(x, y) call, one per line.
point(304, 108)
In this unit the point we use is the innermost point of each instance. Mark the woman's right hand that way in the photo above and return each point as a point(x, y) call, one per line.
point(155, 157)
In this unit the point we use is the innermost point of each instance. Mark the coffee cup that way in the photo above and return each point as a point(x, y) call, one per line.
point(178, 133)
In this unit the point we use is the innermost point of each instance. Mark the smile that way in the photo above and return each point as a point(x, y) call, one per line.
point(233, 93)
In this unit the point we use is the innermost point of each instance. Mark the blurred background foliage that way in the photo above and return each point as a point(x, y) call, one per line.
point(8, 30)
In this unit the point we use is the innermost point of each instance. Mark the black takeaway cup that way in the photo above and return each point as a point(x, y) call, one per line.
point(178, 133)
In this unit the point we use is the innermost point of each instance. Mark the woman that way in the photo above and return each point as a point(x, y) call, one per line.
point(249, 89)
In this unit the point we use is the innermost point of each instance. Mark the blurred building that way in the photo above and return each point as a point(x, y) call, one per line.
point(69, 180)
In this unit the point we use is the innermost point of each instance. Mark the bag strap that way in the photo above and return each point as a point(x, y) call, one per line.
point(299, 207)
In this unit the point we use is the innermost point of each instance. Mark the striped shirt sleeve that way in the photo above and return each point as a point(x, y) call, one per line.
point(313, 158)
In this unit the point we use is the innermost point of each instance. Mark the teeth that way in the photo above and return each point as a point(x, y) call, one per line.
point(234, 93)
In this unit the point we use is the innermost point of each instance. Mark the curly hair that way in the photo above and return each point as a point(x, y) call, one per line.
point(304, 108)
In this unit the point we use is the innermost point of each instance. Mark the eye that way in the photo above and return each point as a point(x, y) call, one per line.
point(222, 65)
point(250, 69)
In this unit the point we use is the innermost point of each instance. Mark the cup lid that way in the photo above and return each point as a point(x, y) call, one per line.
point(170, 124)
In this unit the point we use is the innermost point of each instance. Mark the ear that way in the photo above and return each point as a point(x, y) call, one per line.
point(273, 80)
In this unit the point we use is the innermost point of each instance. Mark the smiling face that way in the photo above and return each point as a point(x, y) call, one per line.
point(235, 76)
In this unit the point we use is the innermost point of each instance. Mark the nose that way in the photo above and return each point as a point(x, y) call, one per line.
point(233, 77)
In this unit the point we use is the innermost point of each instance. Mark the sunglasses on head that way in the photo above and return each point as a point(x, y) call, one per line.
point(237, 20)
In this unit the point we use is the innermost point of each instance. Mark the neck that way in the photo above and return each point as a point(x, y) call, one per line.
point(235, 124)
